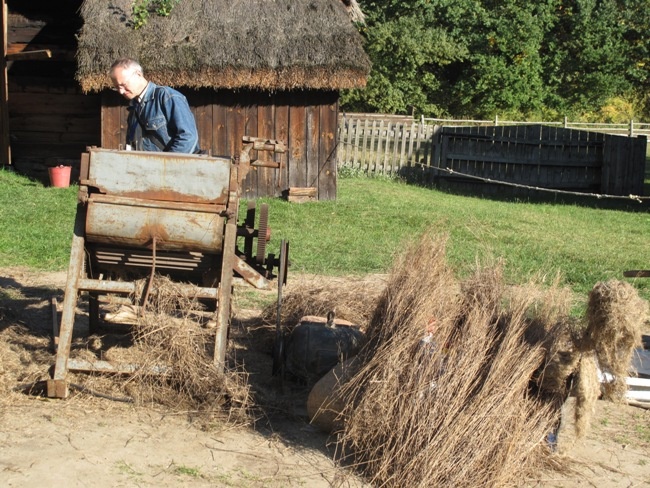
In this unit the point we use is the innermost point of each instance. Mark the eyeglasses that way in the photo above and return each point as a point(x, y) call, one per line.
point(122, 86)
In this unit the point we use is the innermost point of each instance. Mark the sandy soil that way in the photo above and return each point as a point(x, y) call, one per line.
point(90, 441)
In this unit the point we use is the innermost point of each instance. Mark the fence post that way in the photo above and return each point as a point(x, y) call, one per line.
point(496, 120)
point(566, 122)
point(631, 127)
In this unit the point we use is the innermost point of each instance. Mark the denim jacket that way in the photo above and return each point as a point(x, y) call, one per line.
point(162, 121)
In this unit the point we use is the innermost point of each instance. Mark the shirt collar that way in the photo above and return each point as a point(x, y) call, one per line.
point(140, 97)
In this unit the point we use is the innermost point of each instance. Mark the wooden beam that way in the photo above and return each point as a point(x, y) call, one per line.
point(55, 325)
point(29, 55)
point(5, 148)
point(98, 366)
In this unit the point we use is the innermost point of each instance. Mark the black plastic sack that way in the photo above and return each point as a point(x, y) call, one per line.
point(312, 348)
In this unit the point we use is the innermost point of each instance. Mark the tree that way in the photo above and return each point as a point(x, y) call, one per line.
point(408, 53)
point(586, 61)
point(406, 58)
point(503, 72)
point(480, 58)
point(635, 16)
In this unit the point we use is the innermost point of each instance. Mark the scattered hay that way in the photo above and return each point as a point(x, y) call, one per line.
point(352, 298)
point(615, 316)
point(561, 361)
point(21, 357)
point(9, 364)
point(170, 337)
point(462, 382)
point(587, 392)
point(172, 346)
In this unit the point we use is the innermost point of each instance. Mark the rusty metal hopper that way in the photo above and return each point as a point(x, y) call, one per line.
point(141, 213)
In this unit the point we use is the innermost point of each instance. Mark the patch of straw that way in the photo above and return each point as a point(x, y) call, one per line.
point(615, 316)
point(169, 337)
point(173, 351)
point(587, 393)
point(22, 356)
point(352, 298)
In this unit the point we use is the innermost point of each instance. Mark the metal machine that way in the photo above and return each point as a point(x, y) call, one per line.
point(141, 213)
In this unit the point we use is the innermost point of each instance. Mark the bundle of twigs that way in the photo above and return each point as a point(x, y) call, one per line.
point(615, 315)
point(442, 398)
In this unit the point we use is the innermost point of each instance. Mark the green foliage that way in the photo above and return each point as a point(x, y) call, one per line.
point(618, 110)
point(589, 64)
point(504, 72)
point(143, 8)
point(164, 7)
point(140, 13)
point(480, 58)
point(407, 54)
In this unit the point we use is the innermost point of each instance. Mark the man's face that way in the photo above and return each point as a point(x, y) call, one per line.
point(128, 82)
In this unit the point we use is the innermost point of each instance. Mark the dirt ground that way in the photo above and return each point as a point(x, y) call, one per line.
point(87, 440)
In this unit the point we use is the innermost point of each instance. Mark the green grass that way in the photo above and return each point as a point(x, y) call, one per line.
point(126, 468)
point(367, 224)
point(361, 231)
point(35, 223)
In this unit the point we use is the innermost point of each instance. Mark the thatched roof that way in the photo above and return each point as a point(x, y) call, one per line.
point(259, 44)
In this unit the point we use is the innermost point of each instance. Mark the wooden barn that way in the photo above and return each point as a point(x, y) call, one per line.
point(46, 119)
point(248, 67)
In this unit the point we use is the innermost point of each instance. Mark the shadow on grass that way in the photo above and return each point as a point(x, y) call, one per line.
point(503, 192)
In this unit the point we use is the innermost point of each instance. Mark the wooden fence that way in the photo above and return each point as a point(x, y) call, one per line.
point(529, 154)
point(631, 128)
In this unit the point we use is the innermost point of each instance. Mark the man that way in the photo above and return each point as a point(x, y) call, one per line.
point(159, 116)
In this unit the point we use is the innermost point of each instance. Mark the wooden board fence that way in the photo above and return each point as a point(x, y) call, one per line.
point(379, 146)
point(535, 155)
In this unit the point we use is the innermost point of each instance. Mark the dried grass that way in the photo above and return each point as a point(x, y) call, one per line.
point(168, 334)
point(9, 364)
point(173, 349)
point(587, 392)
point(352, 298)
point(457, 410)
point(462, 382)
point(294, 45)
point(22, 355)
point(615, 316)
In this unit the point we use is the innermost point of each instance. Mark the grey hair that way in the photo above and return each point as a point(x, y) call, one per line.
point(126, 63)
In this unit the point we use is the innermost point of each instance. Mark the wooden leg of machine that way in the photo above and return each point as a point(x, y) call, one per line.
point(223, 295)
point(57, 386)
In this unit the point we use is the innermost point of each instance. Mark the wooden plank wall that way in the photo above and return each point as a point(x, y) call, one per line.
point(51, 121)
point(306, 121)
point(534, 155)
point(623, 165)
